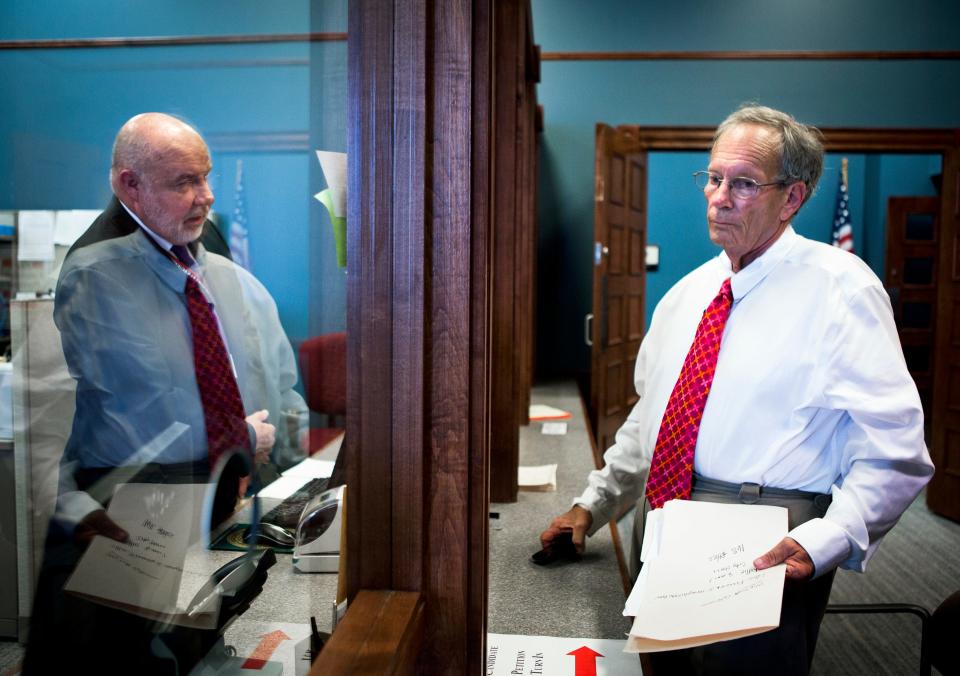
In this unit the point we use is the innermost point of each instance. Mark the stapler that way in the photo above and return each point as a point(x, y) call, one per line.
point(317, 545)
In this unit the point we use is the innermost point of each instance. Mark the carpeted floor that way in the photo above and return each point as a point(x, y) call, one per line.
point(917, 562)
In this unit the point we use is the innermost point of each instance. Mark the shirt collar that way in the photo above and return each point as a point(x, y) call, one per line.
point(741, 283)
point(164, 244)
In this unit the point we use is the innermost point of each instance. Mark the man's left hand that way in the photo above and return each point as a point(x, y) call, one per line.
point(788, 551)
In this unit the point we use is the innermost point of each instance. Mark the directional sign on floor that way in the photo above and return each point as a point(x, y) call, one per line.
point(514, 655)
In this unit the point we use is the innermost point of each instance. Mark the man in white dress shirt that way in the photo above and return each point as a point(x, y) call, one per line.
point(811, 405)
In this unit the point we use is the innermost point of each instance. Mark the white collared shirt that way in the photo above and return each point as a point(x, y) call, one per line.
point(811, 392)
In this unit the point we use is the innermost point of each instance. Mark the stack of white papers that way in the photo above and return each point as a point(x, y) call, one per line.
point(698, 584)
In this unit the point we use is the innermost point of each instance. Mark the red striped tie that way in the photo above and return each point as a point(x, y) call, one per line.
point(219, 394)
point(671, 470)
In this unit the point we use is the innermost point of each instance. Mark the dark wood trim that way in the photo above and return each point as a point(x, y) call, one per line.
point(481, 363)
point(382, 633)
point(170, 41)
point(418, 394)
point(757, 55)
point(508, 65)
point(835, 139)
point(370, 393)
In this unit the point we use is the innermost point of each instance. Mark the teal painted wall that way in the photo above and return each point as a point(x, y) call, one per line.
point(577, 94)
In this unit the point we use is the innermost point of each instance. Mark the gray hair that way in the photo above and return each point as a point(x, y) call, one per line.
point(801, 147)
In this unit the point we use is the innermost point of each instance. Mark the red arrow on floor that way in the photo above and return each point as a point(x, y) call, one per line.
point(263, 651)
point(585, 661)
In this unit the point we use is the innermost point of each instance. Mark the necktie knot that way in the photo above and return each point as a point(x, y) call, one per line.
point(183, 254)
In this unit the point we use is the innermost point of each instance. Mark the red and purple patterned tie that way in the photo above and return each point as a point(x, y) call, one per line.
point(219, 394)
point(671, 470)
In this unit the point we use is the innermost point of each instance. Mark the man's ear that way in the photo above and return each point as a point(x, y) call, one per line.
point(129, 184)
point(795, 193)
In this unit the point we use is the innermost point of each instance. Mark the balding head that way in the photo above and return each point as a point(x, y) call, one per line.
point(145, 139)
point(159, 171)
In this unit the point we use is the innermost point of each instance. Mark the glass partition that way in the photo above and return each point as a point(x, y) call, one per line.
point(172, 398)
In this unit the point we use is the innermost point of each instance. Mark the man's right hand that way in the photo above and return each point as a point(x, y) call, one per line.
point(266, 435)
point(98, 523)
point(576, 521)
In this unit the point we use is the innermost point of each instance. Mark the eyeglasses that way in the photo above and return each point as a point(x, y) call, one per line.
point(740, 186)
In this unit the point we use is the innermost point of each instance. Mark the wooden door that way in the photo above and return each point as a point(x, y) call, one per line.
point(911, 278)
point(619, 276)
point(943, 491)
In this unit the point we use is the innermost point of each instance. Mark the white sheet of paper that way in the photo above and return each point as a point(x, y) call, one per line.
point(699, 579)
point(72, 223)
point(312, 468)
point(334, 166)
point(284, 487)
point(540, 477)
point(558, 428)
point(146, 571)
point(544, 412)
point(35, 235)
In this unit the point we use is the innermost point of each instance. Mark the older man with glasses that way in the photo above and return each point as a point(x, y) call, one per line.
point(787, 387)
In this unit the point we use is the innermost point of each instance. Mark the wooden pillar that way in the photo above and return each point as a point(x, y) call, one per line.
point(418, 304)
point(509, 57)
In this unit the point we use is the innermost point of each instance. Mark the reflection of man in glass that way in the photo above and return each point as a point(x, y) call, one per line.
point(178, 356)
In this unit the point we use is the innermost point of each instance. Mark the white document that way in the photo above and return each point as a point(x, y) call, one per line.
point(557, 428)
point(334, 166)
point(537, 477)
point(71, 223)
point(35, 235)
point(144, 574)
point(544, 412)
point(698, 584)
point(284, 486)
point(311, 468)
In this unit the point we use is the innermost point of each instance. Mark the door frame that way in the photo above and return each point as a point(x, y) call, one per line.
point(945, 414)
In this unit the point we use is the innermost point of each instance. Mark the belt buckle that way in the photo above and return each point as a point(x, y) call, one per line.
point(749, 493)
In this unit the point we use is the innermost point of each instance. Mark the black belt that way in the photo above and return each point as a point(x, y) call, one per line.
point(750, 493)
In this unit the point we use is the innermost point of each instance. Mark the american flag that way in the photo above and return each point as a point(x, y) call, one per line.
point(842, 225)
point(239, 245)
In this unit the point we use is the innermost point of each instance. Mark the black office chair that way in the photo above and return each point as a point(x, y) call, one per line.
point(938, 631)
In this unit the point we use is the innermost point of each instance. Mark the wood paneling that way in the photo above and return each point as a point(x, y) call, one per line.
point(514, 244)
point(418, 411)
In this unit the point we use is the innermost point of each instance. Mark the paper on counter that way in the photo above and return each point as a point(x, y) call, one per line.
point(537, 477)
point(284, 486)
point(35, 235)
point(311, 468)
